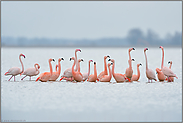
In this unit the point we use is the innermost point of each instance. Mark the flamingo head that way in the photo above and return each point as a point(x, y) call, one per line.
point(38, 66)
point(112, 60)
point(139, 65)
point(94, 62)
point(170, 62)
point(131, 49)
point(105, 57)
point(161, 47)
point(90, 60)
point(77, 50)
point(60, 59)
point(51, 60)
point(111, 63)
point(145, 49)
point(80, 60)
point(22, 55)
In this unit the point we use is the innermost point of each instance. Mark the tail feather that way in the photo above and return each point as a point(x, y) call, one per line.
point(61, 78)
point(37, 79)
point(128, 79)
point(6, 73)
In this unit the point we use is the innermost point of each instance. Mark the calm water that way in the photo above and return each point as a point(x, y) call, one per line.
point(65, 101)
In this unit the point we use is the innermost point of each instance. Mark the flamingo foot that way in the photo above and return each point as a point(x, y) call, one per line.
point(37, 79)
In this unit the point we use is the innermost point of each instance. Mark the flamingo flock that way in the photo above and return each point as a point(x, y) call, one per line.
point(73, 74)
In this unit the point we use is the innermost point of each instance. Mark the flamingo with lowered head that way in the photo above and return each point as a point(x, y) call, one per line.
point(160, 74)
point(68, 72)
point(136, 77)
point(107, 78)
point(149, 72)
point(44, 77)
point(117, 76)
point(16, 70)
point(56, 74)
point(93, 77)
point(171, 79)
point(33, 71)
point(166, 71)
point(129, 71)
point(105, 69)
point(86, 75)
point(77, 75)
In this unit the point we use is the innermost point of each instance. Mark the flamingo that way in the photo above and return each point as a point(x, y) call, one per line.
point(44, 77)
point(93, 77)
point(86, 75)
point(56, 74)
point(15, 70)
point(166, 71)
point(79, 60)
point(129, 71)
point(107, 78)
point(33, 71)
point(68, 72)
point(77, 75)
point(171, 79)
point(149, 72)
point(117, 76)
point(160, 75)
point(136, 77)
point(105, 69)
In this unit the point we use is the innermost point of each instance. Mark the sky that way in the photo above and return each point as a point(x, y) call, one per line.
point(88, 19)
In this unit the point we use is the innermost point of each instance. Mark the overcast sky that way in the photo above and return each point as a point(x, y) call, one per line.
point(88, 19)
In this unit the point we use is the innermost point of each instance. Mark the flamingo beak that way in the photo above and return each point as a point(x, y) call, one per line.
point(133, 49)
point(82, 60)
point(108, 56)
point(24, 56)
point(109, 60)
point(111, 63)
point(62, 58)
point(70, 59)
point(91, 60)
point(53, 59)
point(169, 62)
point(133, 59)
point(94, 62)
point(160, 47)
point(79, 50)
point(140, 64)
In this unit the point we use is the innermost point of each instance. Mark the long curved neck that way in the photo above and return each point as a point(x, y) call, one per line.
point(59, 67)
point(36, 67)
point(76, 60)
point(170, 65)
point(110, 74)
point(51, 70)
point(130, 62)
point(21, 64)
point(78, 66)
point(146, 60)
point(73, 72)
point(162, 58)
point(113, 68)
point(95, 70)
point(105, 66)
point(88, 68)
point(138, 72)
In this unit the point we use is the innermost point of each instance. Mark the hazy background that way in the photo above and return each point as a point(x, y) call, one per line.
point(91, 23)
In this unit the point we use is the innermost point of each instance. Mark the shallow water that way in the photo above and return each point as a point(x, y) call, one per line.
point(65, 101)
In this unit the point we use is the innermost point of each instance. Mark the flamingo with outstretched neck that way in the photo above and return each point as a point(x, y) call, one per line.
point(105, 69)
point(117, 76)
point(136, 77)
point(86, 75)
point(33, 71)
point(107, 78)
point(171, 79)
point(149, 72)
point(56, 74)
point(16, 70)
point(93, 77)
point(166, 71)
point(44, 77)
point(129, 71)
point(77, 75)
point(68, 72)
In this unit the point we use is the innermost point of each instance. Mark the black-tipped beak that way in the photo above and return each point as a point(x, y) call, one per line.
point(169, 62)
point(108, 56)
point(80, 50)
point(70, 59)
point(140, 64)
point(146, 48)
point(53, 59)
point(94, 62)
point(62, 58)
point(82, 60)
point(160, 47)
point(133, 59)
point(111, 63)
point(133, 48)
point(109, 60)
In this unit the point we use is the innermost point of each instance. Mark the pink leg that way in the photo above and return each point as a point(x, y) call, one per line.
point(151, 80)
point(67, 79)
point(14, 78)
point(71, 79)
point(30, 78)
point(10, 78)
point(23, 77)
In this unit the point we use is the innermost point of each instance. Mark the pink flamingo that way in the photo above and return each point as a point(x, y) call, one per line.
point(160, 75)
point(166, 71)
point(79, 60)
point(86, 75)
point(105, 69)
point(171, 79)
point(129, 71)
point(136, 77)
point(33, 71)
point(68, 72)
point(77, 75)
point(15, 70)
point(149, 72)
point(117, 76)
point(44, 77)
point(107, 78)
point(56, 74)
point(93, 77)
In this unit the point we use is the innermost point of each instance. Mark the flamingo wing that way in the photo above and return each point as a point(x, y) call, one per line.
point(168, 72)
point(14, 71)
point(150, 74)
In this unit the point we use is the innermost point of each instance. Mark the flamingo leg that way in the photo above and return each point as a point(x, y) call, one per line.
point(148, 80)
point(151, 80)
point(71, 79)
point(23, 77)
point(10, 78)
point(14, 78)
point(30, 78)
